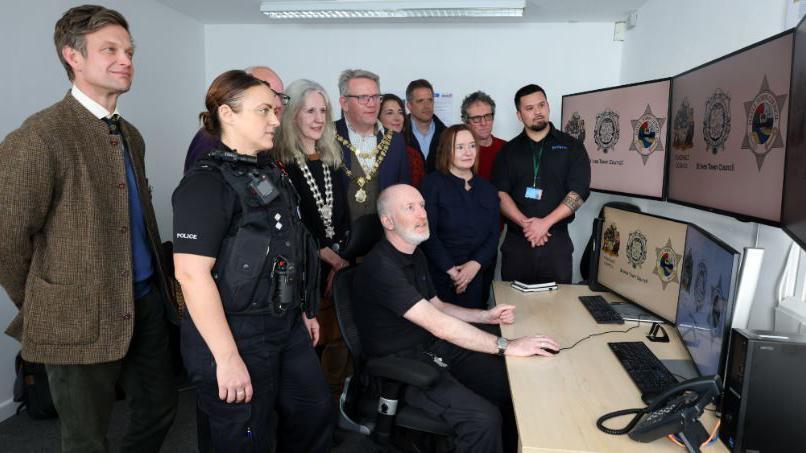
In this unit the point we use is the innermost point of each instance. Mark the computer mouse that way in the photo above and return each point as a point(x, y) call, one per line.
point(553, 351)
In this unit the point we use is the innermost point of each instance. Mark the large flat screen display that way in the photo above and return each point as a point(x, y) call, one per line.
point(707, 292)
point(794, 212)
point(625, 131)
point(729, 130)
point(641, 257)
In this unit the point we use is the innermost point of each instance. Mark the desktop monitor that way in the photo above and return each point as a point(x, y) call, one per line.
point(729, 129)
point(641, 258)
point(625, 131)
point(708, 284)
point(794, 212)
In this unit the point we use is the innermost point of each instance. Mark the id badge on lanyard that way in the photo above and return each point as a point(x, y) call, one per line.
point(535, 192)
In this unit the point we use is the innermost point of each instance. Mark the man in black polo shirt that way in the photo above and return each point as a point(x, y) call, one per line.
point(398, 312)
point(543, 176)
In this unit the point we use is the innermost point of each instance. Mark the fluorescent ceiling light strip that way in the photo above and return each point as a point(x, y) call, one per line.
point(346, 9)
point(430, 12)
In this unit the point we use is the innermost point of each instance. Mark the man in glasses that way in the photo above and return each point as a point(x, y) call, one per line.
point(203, 142)
point(373, 158)
point(423, 128)
point(478, 113)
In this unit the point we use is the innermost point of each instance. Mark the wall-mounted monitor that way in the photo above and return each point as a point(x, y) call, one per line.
point(729, 129)
point(794, 212)
point(708, 284)
point(625, 131)
point(641, 259)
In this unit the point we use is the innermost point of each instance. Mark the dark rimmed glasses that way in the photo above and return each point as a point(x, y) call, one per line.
point(365, 99)
point(479, 118)
point(284, 98)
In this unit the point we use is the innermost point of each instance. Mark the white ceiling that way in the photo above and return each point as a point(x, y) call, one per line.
point(248, 11)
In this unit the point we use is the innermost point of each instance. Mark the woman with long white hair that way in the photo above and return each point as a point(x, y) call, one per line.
point(307, 147)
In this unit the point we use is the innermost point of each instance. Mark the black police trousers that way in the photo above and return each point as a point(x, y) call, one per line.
point(287, 382)
point(472, 396)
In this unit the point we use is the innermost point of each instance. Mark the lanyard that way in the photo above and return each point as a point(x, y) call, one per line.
point(536, 163)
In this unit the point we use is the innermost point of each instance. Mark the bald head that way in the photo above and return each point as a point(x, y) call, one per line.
point(386, 197)
point(267, 75)
point(401, 209)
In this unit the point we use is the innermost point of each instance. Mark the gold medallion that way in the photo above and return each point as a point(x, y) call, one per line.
point(360, 195)
point(379, 152)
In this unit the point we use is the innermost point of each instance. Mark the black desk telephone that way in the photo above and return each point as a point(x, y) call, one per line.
point(675, 411)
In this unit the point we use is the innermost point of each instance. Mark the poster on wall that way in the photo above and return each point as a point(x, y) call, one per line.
point(729, 128)
point(444, 108)
point(624, 130)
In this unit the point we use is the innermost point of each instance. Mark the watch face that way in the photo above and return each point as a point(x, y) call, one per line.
point(502, 344)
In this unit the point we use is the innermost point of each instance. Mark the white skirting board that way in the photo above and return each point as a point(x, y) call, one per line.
point(7, 409)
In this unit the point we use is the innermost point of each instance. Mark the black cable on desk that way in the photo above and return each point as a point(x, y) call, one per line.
point(637, 324)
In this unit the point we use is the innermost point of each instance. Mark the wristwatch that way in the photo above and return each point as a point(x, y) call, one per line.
point(502, 344)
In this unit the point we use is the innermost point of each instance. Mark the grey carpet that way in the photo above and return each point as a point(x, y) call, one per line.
point(22, 434)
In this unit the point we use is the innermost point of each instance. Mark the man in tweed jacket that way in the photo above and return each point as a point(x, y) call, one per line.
point(79, 246)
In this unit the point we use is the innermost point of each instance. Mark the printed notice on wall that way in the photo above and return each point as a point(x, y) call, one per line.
point(444, 109)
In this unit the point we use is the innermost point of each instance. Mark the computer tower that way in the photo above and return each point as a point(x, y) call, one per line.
point(593, 263)
point(764, 404)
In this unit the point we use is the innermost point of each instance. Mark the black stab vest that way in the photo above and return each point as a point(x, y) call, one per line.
point(268, 262)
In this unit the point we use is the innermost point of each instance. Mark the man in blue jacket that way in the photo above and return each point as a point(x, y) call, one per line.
point(423, 128)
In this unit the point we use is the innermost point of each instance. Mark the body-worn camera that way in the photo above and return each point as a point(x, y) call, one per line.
point(262, 189)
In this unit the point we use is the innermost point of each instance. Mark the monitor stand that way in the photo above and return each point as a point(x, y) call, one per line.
point(632, 312)
point(682, 369)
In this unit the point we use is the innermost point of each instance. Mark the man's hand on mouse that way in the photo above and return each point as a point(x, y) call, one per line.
point(532, 345)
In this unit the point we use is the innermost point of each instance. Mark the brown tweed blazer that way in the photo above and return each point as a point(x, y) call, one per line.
point(65, 251)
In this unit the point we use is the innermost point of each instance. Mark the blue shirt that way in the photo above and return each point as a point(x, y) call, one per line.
point(424, 139)
point(142, 265)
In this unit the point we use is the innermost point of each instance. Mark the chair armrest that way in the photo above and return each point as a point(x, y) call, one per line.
point(407, 371)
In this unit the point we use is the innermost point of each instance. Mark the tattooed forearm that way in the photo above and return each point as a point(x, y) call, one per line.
point(573, 201)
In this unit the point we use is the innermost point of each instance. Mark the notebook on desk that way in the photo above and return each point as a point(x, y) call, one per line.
point(633, 312)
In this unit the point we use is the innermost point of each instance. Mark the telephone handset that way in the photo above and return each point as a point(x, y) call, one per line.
point(675, 411)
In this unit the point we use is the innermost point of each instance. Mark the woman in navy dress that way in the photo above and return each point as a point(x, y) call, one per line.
point(463, 221)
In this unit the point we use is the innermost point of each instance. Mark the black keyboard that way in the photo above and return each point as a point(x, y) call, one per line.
point(601, 311)
point(649, 374)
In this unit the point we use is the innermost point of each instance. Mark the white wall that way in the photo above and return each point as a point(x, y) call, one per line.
point(672, 37)
point(163, 103)
point(456, 58)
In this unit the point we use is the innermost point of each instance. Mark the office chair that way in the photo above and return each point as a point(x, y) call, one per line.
point(584, 262)
point(370, 403)
point(364, 233)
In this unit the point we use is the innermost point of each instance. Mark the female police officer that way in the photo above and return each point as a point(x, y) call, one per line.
point(247, 267)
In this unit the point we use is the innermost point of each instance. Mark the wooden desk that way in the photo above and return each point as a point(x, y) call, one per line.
point(558, 399)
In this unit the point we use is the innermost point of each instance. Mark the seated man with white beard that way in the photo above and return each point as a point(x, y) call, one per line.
point(398, 312)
